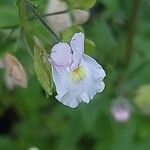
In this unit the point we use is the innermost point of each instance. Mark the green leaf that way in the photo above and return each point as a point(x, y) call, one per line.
point(81, 4)
point(111, 5)
point(68, 33)
point(42, 67)
point(8, 16)
point(89, 47)
point(36, 3)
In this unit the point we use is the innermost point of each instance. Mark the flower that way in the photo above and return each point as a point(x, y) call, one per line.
point(121, 109)
point(60, 22)
point(77, 76)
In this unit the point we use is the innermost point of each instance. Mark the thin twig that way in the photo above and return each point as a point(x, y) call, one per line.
point(129, 48)
point(55, 36)
point(56, 13)
point(26, 44)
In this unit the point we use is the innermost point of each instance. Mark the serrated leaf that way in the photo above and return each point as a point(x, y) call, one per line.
point(68, 33)
point(81, 4)
point(42, 67)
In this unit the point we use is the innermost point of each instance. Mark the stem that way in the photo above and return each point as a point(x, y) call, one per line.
point(27, 45)
point(131, 30)
point(129, 48)
point(56, 38)
point(56, 13)
point(70, 12)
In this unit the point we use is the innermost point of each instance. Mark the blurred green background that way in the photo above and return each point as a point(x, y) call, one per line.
point(120, 30)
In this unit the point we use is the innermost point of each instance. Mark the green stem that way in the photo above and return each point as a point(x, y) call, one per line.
point(70, 12)
point(31, 7)
point(131, 30)
point(24, 28)
point(129, 48)
point(56, 13)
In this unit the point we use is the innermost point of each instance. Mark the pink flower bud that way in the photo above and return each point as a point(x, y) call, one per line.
point(121, 109)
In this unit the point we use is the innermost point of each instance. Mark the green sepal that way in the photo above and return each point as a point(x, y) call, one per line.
point(42, 67)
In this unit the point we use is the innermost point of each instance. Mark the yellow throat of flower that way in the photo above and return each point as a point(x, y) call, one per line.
point(78, 74)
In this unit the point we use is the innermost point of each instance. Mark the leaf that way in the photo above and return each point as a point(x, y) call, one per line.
point(8, 16)
point(42, 67)
point(36, 3)
point(81, 4)
point(111, 5)
point(68, 33)
point(89, 47)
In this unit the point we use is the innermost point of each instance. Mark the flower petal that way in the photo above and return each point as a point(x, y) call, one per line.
point(61, 55)
point(77, 46)
point(61, 80)
point(96, 70)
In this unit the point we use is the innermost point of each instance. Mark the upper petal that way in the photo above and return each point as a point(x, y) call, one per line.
point(77, 46)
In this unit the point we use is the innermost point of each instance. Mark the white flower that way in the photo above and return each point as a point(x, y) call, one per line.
point(77, 76)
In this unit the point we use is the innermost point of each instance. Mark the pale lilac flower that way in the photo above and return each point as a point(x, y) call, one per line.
point(77, 76)
point(121, 109)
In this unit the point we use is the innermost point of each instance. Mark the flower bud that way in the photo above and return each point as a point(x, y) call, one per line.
point(60, 22)
point(121, 109)
point(15, 73)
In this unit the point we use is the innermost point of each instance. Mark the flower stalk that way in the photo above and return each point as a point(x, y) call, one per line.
point(31, 7)
point(131, 30)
